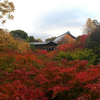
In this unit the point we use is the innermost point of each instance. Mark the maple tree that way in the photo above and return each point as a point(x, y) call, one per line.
point(6, 8)
point(36, 75)
point(8, 42)
point(80, 44)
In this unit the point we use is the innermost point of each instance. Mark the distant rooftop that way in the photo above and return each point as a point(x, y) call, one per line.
point(54, 41)
point(42, 43)
point(38, 43)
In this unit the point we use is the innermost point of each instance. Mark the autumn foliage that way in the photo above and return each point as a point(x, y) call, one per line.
point(80, 44)
point(38, 75)
point(8, 42)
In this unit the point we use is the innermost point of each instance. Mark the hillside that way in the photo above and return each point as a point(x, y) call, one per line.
point(71, 72)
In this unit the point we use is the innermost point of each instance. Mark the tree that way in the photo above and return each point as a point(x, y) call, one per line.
point(31, 39)
point(32, 47)
point(95, 22)
point(93, 41)
point(38, 40)
point(7, 42)
point(6, 8)
point(20, 33)
point(50, 39)
point(89, 26)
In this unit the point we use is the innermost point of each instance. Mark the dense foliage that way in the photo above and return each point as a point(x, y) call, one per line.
point(79, 54)
point(31, 39)
point(32, 47)
point(93, 41)
point(67, 73)
point(8, 42)
point(20, 34)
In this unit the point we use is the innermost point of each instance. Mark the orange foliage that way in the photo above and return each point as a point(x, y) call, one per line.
point(73, 45)
point(66, 39)
point(8, 42)
point(69, 38)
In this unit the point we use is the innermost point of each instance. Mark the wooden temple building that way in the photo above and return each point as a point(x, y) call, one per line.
point(51, 45)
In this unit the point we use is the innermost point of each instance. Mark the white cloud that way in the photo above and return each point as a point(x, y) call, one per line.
point(43, 18)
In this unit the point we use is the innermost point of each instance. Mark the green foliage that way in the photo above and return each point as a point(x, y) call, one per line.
point(6, 62)
point(67, 56)
point(50, 39)
point(87, 55)
point(31, 39)
point(80, 54)
point(32, 47)
point(21, 34)
point(93, 41)
point(38, 40)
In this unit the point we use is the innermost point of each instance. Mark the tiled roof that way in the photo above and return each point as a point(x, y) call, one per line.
point(40, 43)
point(55, 41)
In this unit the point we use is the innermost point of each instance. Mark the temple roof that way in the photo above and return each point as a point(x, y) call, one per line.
point(54, 41)
point(42, 43)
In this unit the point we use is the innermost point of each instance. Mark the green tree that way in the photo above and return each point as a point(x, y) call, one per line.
point(50, 39)
point(38, 40)
point(93, 41)
point(20, 33)
point(31, 39)
point(95, 22)
point(6, 8)
point(32, 47)
point(78, 55)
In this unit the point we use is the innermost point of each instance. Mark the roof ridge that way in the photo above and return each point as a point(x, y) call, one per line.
point(63, 34)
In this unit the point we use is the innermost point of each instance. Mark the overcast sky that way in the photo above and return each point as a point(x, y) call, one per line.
point(47, 18)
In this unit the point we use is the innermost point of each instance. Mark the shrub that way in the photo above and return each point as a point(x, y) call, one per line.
point(32, 47)
point(79, 54)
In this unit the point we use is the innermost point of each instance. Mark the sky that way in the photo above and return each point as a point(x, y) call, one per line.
point(48, 18)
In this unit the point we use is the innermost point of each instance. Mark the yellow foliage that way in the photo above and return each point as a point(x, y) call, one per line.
point(7, 41)
point(23, 46)
point(6, 8)
point(88, 27)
